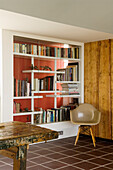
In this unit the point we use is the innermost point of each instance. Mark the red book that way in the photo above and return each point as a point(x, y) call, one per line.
point(16, 88)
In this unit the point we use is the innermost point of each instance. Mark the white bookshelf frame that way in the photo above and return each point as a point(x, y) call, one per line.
point(6, 57)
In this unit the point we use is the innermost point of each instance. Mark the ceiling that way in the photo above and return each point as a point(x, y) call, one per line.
point(78, 20)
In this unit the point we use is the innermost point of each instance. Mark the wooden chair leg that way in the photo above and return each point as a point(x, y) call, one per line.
point(77, 136)
point(93, 138)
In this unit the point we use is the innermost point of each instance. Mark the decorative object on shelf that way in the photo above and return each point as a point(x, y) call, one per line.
point(27, 110)
point(34, 67)
point(46, 68)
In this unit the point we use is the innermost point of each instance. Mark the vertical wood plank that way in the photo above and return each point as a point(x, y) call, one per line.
point(86, 72)
point(91, 67)
point(112, 84)
point(104, 90)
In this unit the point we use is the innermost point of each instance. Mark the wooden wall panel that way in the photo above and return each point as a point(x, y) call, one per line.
point(104, 90)
point(91, 67)
point(97, 83)
point(112, 85)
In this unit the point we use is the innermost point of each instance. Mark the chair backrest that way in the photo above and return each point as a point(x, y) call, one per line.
point(85, 113)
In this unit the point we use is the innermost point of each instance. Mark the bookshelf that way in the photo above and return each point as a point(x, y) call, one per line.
point(7, 58)
point(62, 62)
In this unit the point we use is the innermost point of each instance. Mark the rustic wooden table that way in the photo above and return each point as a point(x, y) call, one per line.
point(15, 138)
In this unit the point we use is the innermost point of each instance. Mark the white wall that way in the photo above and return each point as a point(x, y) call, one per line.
point(68, 128)
point(6, 70)
point(0, 73)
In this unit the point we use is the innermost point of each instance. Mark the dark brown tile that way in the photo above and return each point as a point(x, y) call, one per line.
point(96, 153)
point(7, 160)
point(70, 146)
point(57, 149)
point(109, 166)
point(54, 165)
point(2, 163)
point(83, 156)
point(33, 148)
point(102, 168)
point(6, 167)
point(45, 145)
point(85, 165)
point(56, 156)
point(69, 168)
point(37, 167)
point(83, 149)
point(29, 163)
point(32, 155)
point(40, 159)
point(108, 150)
point(108, 156)
point(69, 152)
point(70, 160)
point(99, 161)
point(43, 152)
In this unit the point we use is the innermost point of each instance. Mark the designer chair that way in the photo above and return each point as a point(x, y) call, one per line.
point(86, 116)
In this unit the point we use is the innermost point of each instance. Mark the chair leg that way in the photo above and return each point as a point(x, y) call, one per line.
point(77, 136)
point(93, 138)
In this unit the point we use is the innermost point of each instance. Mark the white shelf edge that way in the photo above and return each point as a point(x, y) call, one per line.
point(48, 91)
point(27, 97)
point(27, 113)
point(74, 96)
point(45, 57)
point(65, 121)
point(42, 71)
point(69, 82)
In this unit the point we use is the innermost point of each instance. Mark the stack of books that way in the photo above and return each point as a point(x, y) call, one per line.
point(71, 89)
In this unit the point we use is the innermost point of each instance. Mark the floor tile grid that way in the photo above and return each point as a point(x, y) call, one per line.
point(65, 143)
point(59, 160)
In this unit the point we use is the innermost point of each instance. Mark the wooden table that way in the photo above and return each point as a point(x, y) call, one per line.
point(15, 138)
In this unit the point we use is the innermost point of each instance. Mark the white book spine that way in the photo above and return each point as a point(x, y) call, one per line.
point(35, 49)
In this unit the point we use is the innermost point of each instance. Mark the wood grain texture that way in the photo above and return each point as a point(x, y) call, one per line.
point(91, 67)
point(97, 83)
point(18, 134)
point(104, 90)
point(112, 85)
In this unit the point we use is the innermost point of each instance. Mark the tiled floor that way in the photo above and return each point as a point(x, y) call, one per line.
point(63, 155)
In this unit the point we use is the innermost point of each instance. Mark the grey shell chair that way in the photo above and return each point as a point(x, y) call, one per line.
point(85, 115)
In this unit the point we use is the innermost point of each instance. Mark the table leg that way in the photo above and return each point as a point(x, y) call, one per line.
point(20, 159)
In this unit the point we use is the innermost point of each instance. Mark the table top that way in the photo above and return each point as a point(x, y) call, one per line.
point(19, 133)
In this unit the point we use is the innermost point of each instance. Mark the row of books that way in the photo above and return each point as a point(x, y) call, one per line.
point(21, 88)
point(70, 89)
point(55, 114)
point(71, 73)
point(46, 51)
point(47, 83)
